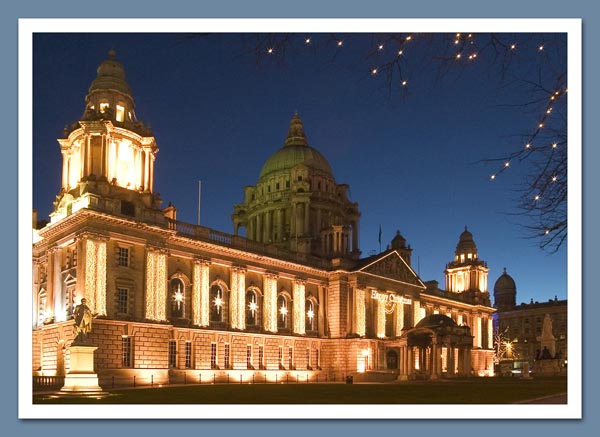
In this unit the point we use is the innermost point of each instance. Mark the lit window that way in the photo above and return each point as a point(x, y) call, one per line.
point(103, 107)
point(123, 256)
point(261, 357)
point(226, 356)
point(311, 321)
point(122, 300)
point(120, 115)
point(280, 357)
point(172, 353)
point(126, 351)
point(282, 312)
point(216, 304)
point(249, 357)
point(213, 355)
point(252, 308)
point(188, 354)
point(308, 359)
point(177, 298)
point(290, 357)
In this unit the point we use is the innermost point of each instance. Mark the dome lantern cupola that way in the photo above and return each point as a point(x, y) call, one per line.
point(466, 272)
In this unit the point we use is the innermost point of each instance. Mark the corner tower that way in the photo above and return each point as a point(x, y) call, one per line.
point(505, 293)
point(108, 155)
point(297, 203)
point(467, 273)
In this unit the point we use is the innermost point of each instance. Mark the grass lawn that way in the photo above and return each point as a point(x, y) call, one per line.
point(467, 391)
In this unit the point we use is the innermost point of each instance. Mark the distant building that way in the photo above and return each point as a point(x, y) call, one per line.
point(523, 323)
point(293, 299)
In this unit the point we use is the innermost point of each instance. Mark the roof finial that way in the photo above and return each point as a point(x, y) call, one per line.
point(505, 270)
point(296, 135)
point(112, 53)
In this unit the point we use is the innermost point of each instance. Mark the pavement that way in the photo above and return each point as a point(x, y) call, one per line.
point(560, 398)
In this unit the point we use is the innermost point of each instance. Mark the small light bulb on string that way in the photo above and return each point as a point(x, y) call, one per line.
point(492, 177)
point(456, 41)
point(340, 43)
point(270, 50)
point(458, 35)
point(541, 48)
point(549, 111)
point(528, 146)
point(513, 46)
point(541, 125)
point(458, 55)
point(400, 52)
point(554, 146)
point(408, 38)
point(307, 40)
point(507, 164)
point(537, 197)
point(470, 35)
point(404, 83)
point(554, 178)
point(374, 71)
point(547, 231)
point(380, 47)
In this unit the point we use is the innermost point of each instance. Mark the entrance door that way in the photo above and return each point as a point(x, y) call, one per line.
point(392, 359)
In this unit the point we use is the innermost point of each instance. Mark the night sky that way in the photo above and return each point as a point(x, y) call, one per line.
point(411, 155)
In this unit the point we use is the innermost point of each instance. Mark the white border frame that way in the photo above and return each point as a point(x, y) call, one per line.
point(572, 410)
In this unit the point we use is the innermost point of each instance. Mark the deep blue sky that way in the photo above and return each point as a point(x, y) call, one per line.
point(412, 158)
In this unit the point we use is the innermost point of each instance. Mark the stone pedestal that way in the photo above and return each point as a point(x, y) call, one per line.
point(81, 379)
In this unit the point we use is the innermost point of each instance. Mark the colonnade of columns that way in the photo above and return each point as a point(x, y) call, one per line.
point(428, 360)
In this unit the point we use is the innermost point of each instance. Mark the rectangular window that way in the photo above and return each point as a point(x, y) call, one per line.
point(280, 357)
point(317, 359)
point(188, 354)
point(126, 351)
point(213, 355)
point(74, 257)
point(249, 357)
point(123, 257)
point(226, 357)
point(120, 115)
point(122, 300)
point(103, 107)
point(308, 359)
point(172, 353)
point(261, 357)
point(290, 358)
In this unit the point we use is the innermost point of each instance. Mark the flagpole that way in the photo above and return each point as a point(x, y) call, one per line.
point(199, 194)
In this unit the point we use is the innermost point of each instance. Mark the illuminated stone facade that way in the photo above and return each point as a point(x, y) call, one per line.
point(291, 301)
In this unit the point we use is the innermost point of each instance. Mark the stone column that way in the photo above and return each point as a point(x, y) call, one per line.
point(259, 231)
point(451, 366)
point(477, 333)
point(156, 284)
point(270, 303)
point(200, 293)
point(409, 361)
point(360, 313)
point(268, 234)
point(299, 297)
point(237, 299)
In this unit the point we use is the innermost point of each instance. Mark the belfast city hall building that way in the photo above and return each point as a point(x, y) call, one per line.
point(292, 299)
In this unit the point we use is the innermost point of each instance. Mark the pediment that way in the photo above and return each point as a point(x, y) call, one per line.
point(392, 266)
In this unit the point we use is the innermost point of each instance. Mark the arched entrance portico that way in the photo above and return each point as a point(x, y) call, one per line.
point(437, 347)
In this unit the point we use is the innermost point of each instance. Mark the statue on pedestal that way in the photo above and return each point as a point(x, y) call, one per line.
point(83, 322)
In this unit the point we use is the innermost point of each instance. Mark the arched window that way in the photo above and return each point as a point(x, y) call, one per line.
point(283, 313)
point(216, 304)
point(177, 298)
point(311, 316)
point(252, 308)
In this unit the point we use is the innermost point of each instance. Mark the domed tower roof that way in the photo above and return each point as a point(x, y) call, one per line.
point(111, 76)
point(466, 244)
point(435, 321)
point(296, 151)
point(505, 292)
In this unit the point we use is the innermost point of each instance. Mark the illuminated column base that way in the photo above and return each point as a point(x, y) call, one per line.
point(81, 379)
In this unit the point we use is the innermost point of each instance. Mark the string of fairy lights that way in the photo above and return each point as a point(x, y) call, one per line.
point(466, 48)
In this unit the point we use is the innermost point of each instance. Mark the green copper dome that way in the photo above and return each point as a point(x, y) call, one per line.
point(296, 151)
